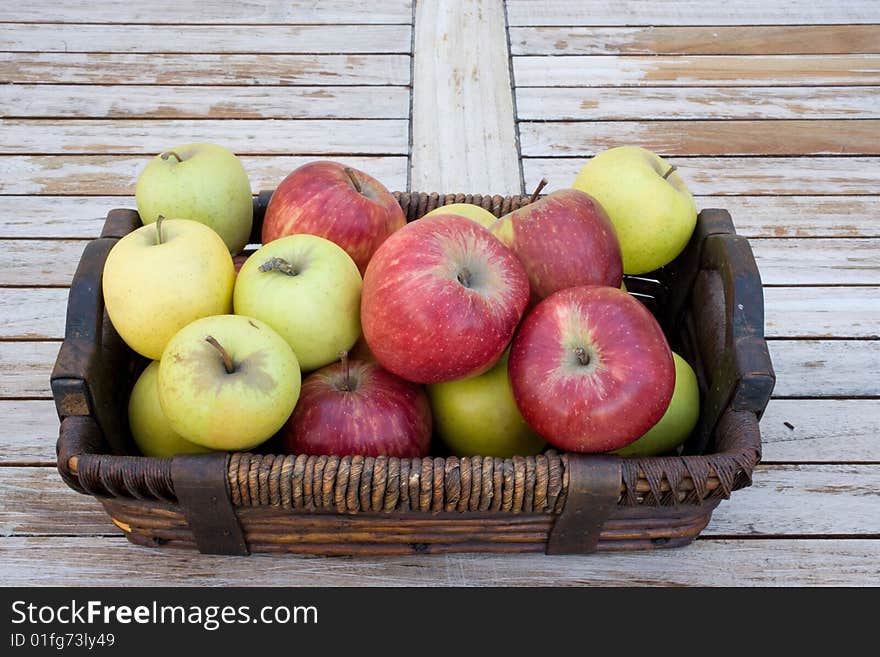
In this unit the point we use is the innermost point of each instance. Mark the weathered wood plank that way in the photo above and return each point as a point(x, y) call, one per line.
point(30, 429)
point(643, 103)
point(243, 136)
point(57, 216)
point(826, 368)
point(167, 69)
point(211, 11)
point(116, 175)
point(688, 12)
point(25, 368)
point(32, 313)
point(696, 40)
point(194, 39)
point(741, 176)
point(822, 312)
point(203, 102)
point(40, 262)
point(790, 137)
point(821, 430)
point(695, 70)
point(461, 68)
point(818, 261)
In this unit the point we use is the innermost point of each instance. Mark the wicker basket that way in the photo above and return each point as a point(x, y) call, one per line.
point(709, 302)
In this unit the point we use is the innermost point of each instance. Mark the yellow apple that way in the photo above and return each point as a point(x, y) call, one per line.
point(160, 277)
point(677, 422)
point(478, 416)
point(469, 210)
point(649, 204)
point(149, 427)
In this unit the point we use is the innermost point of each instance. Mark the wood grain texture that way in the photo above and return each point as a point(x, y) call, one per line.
point(211, 11)
point(242, 136)
point(463, 135)
point(40, 262)
point(821, 430)
point(57, 216)
point(32, 313)
point(166, 69)
point(822, 312)
point(204, 102)
point(695, 103)
point(689, 12)
point(789, 137)
point(826, 368)
point(194, 39)
point(818, 261)
point(696, 40)
point(760, 176)
point(116, 175)
point(695, 70)
point(25, 368)
point(31, 431)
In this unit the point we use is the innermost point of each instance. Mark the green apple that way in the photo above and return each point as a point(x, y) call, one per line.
point(478, 416)
point(203, 182)
point(469, 210)
point(159, 278)
point(679, 420)
point(228, 382)
point(309, 290)
point(651, 208)
point(149, 427)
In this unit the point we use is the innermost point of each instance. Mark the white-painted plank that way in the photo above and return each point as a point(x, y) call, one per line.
point(821, 312)
point(25, 368)
point(826, 368)
point(57, 216)
point(194, 39)
point(166, 69)
point(689, 12)
point(463, 135)
point(210, 11)
point(695, 70)
point(821, 430)
point(116, 175)
point(819, 262)
point(723, 176)
point(30, 429)
point(32, 313)
point(202, 102)
point(627, 103)
point(40, 262)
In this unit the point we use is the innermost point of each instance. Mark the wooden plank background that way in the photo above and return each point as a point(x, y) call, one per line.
point(769, 109)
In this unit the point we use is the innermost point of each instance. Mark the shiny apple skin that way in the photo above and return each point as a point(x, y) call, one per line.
point(563, 240)
point(382, 415)
point(420, 321)
point(623, 390)
point(320, 199)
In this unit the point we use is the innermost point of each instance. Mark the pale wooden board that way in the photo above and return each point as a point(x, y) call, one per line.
point(818, 262)
point(30, 429)
point(741, 176)
point(754, 216)
point(823, 430)
point(242, 136)
point(796, 499)
point(696, 40)
point(826, 368)
point(32, 313)
point(202, 102)
point(192, 39)
point(116, 175)
point(689, 12)
point(25, 368)
point(657, 103)
point(822, 312)
point(695, 70)
point(166, 69)
point(210, 11)
point(792, 137)
point(463, 134)
point(40, 262)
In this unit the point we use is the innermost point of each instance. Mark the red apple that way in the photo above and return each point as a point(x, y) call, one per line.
point(356, 407)
point(563, 240)
point(591, 370)
point(336, 202)
point(441, 300)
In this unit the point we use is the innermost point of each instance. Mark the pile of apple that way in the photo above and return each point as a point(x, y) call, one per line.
point(350, 331)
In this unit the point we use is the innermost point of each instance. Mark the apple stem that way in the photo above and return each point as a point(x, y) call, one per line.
point(173, 154)
point(582, 356)
point(354, 179)
point(541, 185)
point(159, 237)
point(227, 360)
point(279, 264)
point(346, 372)
point(669, 171)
